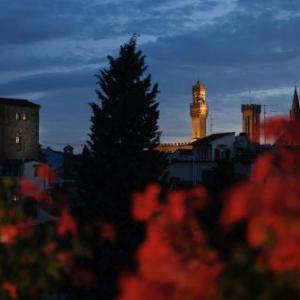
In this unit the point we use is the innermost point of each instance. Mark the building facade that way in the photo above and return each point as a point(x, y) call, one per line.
point(189, 166)
point(199, 111)
point(19, 130)
point(251, 121)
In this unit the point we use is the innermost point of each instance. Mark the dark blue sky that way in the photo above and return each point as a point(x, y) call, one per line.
point(50, 50)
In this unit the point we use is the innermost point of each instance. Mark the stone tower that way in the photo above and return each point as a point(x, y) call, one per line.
point(199, 111)
point(19, 130)
point(295, 109)
point(251, 121)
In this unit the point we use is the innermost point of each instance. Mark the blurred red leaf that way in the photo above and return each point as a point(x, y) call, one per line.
point(8, 234)
point(66, 224)
point(46, 173)
point(11, 289)
point(145, 204)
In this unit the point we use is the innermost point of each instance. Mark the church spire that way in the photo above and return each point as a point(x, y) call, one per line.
point(295, 109)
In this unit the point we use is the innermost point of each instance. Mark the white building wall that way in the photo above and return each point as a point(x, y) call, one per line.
point(227, 141)
point(190, 171)
point(29, 172)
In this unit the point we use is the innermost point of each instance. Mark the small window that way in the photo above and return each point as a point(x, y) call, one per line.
point(18, 117)
point(24, 116)
point(18, 140)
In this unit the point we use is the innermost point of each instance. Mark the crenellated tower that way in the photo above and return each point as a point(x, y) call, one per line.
point(199, 111)
point(251, 121)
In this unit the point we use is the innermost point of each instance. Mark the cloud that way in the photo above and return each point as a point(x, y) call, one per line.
point(50, 49)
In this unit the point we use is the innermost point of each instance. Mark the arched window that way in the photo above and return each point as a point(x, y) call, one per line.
point(24, 116)
point(18, 117)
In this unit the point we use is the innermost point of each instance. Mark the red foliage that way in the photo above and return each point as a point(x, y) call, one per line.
point(8, 234)
point(29, 190)
point(270, 201)
point(145, 204)
point(174, 262)
point(282, 130)
point(46, 173)
point(11, 289)
point(66, 224)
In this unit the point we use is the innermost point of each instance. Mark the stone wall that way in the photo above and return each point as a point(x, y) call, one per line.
point(27, 129)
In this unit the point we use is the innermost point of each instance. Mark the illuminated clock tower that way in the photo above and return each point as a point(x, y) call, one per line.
point(199, 111)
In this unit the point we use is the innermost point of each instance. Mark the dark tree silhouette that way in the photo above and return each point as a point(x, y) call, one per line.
point(120, 156)
point(124, 133)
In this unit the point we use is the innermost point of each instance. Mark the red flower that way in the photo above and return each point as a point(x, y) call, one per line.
point(11, 289)
point(285, 257)
point(145, 204)
point(28, 189)
point(8, 234)
point(135, 288)
point(263, 167)
point(237, 204)
point(45, 172)
point(175, 207)
point(66, 224)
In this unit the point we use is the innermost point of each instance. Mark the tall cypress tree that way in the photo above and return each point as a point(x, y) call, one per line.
point(124, 133)
point(119, 158)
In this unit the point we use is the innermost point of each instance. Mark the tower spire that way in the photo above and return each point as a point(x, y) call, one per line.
point(295, 109)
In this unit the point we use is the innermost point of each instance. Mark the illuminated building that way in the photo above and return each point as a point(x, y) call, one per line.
point(19, 130)
point(251, 121)
point(199, 111)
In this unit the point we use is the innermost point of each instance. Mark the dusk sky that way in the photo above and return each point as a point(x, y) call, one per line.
point(50, 50)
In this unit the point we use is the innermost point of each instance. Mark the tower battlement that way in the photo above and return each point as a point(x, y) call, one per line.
point(251, 121)
point(172, 147)
point(251, 108)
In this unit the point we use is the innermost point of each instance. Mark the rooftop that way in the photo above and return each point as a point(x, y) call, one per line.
point(210, 138)
point(17, 102)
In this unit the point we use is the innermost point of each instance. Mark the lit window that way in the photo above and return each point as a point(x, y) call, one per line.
point(17, 116)
point(18, 140)
point(24, 116)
